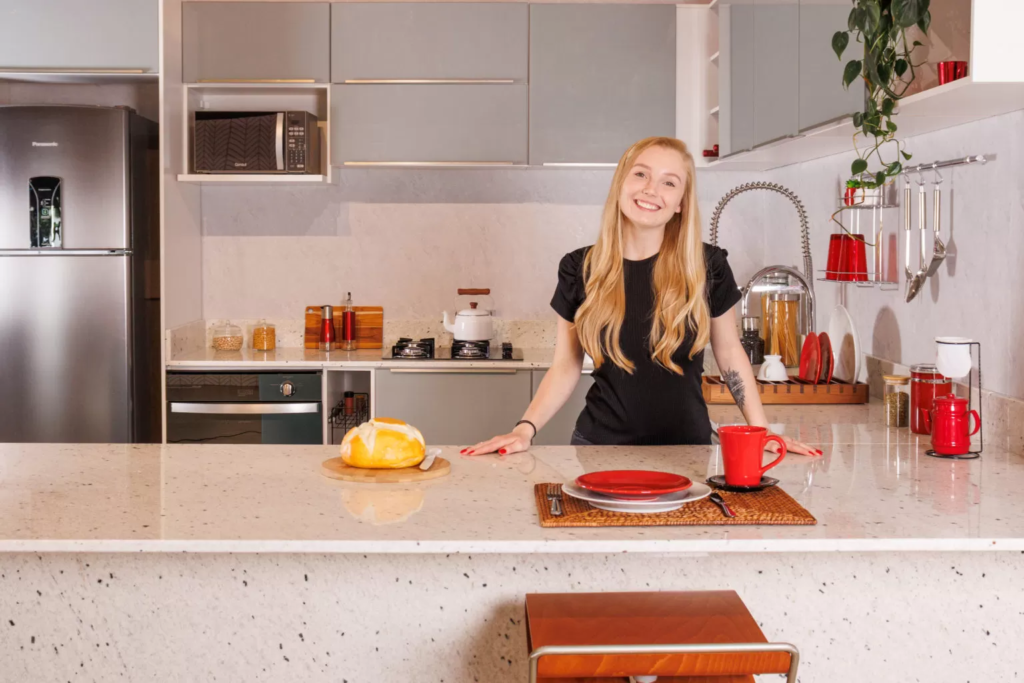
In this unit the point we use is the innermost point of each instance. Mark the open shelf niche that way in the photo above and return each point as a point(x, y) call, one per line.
point(314, 98)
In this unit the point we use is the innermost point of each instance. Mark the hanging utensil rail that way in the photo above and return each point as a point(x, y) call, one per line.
point(962, 161)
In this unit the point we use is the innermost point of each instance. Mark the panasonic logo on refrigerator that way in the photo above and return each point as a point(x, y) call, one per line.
point(44, 144)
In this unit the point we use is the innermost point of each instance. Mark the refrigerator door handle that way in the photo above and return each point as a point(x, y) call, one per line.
point(244, 408)
point(65, 252)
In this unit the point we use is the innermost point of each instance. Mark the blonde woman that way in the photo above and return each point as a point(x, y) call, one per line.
point(643, 302)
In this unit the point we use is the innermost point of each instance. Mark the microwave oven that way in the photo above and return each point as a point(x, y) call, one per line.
point(256, 142)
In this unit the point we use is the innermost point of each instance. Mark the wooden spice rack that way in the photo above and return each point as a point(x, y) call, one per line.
point(793, 392)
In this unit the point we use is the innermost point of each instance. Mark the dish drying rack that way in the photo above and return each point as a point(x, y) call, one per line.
point(869, 218)
point(341, 421)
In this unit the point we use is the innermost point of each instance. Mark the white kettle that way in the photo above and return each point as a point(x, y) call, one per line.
point(473, 323)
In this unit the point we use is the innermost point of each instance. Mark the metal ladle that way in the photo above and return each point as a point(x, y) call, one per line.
point(939, 248)
point(914, 285)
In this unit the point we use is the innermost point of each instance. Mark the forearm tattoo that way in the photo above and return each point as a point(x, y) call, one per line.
point(733, 380)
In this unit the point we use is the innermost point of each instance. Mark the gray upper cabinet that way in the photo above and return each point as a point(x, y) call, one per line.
point(822, 96)
point(432, 124)
point(776, 71)
point(601, 78)
point(256, 41)
point(558, 431)
point(735, 77)
point(446, 41)
point(456, 408)
point(74, 34)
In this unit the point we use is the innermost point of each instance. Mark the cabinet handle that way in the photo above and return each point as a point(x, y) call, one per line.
point(455, 371)
point(566, 164)
point(71, 71)
point(257, 80)
point(425, 81)
point(244, 408)
point(428, 163)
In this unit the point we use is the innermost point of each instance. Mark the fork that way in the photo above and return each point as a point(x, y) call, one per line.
point(555, 497)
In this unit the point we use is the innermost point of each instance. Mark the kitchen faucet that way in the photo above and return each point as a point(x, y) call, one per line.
point(805, 279)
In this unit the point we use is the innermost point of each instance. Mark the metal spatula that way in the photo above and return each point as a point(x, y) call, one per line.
point(914, 286)
point(939, 248)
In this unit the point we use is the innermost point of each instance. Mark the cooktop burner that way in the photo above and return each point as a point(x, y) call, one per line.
point(423, 349)
point(413, 349)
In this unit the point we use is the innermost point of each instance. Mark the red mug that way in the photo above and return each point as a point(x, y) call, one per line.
point(743, 453)
point(951, 71)
point(835, 244)
point(950, 425)
point(853, 259)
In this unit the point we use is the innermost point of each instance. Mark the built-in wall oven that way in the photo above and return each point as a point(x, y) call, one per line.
point(244, 407)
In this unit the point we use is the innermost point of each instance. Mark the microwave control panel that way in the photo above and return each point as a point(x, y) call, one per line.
point(301, 136)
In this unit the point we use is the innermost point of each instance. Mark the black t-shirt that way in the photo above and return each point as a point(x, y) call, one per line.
point(652, 406)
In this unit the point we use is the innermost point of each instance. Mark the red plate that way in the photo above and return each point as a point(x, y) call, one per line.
point(827, 364)
point(810, 359)
point(633, 483)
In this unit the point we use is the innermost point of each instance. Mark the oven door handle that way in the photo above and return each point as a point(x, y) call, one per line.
point(244, 408)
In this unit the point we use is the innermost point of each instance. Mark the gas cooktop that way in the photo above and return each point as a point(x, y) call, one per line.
point(424, 350)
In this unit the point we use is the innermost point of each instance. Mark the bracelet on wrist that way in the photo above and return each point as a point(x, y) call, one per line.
point(532, 426)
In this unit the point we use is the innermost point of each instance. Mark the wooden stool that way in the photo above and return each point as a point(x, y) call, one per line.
point(677, 636)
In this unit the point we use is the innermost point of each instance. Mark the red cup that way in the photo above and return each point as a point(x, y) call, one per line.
point(853, 259)
point(743, 453)
point(951, 71)
point(832, 269)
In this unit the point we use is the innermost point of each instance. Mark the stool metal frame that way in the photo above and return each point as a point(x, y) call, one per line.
point(688, 649)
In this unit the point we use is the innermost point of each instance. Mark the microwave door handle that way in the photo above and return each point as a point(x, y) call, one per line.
point(244, 408)
point(279, 142)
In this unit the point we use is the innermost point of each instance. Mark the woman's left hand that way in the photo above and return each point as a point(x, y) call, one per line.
point(793, 447)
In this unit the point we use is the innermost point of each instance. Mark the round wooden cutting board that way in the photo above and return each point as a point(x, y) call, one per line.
point(335, 468)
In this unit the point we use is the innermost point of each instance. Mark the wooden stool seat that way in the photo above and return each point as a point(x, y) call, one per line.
point(677, 636)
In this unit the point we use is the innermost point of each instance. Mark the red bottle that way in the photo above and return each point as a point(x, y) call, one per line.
point(348, 328)
point(950, 425)
point(327, 335)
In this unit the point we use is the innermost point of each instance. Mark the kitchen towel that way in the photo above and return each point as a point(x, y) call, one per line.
point(771, 506)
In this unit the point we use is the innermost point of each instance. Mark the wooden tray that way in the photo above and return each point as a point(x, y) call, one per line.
point(369, 326)
point(335, 468)
point(793, 392)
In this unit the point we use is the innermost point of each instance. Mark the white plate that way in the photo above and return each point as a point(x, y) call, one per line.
point(845, 345)
point(665, 503)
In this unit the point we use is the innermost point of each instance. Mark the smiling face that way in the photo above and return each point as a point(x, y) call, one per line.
point(653, 189)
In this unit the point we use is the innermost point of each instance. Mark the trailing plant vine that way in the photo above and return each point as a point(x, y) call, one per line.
point(887, 70)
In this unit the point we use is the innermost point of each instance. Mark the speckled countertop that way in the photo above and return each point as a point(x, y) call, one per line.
point(248, 359)
point(874, 489)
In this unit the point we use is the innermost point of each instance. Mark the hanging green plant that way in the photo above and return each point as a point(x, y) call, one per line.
point(887, 70)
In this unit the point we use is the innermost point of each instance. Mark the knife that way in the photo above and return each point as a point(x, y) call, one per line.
point(720, 502)
point(428, 461)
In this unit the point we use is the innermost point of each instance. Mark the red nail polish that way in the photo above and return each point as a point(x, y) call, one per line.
point(463, 451)
point(502, 452)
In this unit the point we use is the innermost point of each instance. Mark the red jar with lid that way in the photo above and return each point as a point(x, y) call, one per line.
point(926, 383)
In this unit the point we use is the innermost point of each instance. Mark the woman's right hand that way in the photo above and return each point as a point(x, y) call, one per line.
point(519, 439)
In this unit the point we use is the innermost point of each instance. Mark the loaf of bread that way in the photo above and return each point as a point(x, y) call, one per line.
point(383, 443)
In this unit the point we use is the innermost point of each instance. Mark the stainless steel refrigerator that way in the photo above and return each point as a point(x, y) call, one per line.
point(79, 275)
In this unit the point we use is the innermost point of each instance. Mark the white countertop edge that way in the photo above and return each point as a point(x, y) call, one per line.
point(327, 365)
point(682, 547)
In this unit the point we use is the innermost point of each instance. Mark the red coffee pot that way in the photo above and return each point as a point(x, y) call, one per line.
point(950, 424)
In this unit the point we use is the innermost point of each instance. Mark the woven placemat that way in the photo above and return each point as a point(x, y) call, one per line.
point(769, 506)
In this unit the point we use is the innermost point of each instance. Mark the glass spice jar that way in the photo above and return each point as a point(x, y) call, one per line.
point(896, 400)
point(264, 336)
point(227, 337)
point(751, 340)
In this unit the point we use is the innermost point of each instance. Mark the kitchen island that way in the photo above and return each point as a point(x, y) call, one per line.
point(244, 563)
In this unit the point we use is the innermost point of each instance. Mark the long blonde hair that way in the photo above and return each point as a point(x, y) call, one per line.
point(679, 275)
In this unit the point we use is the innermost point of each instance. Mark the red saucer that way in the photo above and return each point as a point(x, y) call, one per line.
point(633, 483)
point(810, 359)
